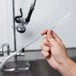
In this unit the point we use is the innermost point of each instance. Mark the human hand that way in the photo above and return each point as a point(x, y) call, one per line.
point(53, 49)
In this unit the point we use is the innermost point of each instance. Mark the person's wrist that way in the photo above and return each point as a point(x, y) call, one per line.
point(65, 68)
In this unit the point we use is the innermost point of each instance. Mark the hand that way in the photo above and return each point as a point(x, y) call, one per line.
point(53, 49)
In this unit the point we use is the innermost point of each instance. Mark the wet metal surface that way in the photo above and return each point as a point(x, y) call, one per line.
point(37, 68)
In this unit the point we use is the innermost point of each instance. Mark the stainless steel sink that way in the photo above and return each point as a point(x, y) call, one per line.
point(36, 68)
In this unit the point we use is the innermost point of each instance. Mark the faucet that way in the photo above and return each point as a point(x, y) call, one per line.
point(22, 21)
point(16, 64)
point(2, 51)
point(20, 29)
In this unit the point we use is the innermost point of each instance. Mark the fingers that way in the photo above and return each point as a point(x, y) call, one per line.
point(51, 40)
point(45, 44)
point(49, 36)
point(52, 36)
point(46, 54)
point(45, 48)
point(45, 41)
point(56, 37)
point(44, 32)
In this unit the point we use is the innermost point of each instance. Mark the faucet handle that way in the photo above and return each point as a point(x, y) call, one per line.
point(8, 50)
point(1, 52)
point(21, 53)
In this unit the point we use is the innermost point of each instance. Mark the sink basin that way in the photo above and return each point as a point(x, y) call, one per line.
point(36, 68)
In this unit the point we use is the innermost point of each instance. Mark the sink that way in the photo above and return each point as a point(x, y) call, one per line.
point(36, 68)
